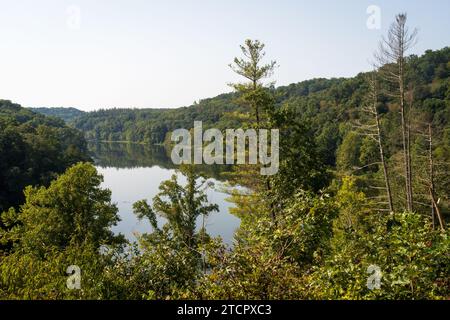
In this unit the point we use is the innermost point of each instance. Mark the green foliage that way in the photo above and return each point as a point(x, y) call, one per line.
point(72, 210)
point(180, 206)
point(301, 166)
point(353, 205)
point(267, 260)
point(412, 257)
point(413, 260)
point(66, 224)
point(152, 125)
point(253, 94)
point(33, 150)
point(171, 259)
point(248, 272)
point(67, 114)
point(369, 153)
point(347, 159)
point(160, 267)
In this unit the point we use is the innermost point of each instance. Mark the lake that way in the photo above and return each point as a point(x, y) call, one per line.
point(133, 172)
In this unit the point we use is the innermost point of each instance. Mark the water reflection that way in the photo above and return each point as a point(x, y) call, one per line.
point(133, 172)
point(133, 155)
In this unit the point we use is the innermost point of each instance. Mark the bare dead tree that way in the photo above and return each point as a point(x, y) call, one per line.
point(391, 63)
point(372, 129)
point(434, 206)
point(430, 160)
point(410, 99)
point(374, 97)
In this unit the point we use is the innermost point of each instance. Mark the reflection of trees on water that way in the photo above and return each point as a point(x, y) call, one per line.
point(132, 155)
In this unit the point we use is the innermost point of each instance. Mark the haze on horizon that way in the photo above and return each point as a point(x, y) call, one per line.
point(166, 54)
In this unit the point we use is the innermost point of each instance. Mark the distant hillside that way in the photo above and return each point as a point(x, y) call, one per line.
point(152, 125)
point(67, 114)
point(34, 149)
point(329, 105)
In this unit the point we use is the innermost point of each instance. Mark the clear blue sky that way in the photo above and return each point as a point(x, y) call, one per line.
point(143, 53)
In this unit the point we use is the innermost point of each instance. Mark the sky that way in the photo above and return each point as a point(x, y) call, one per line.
point(167, 54)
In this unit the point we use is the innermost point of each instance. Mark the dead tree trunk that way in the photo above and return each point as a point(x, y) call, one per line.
point(403, 126)
point(391, 64)
point(433, 205)
point(430, 163)
point(383, 162)
point(380, 144)
point(372, 129)
point(408, 149)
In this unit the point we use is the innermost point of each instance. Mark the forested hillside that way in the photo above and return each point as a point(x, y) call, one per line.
point(327, 104)
point(67, 114)
point(33, 150)
point(152, 125)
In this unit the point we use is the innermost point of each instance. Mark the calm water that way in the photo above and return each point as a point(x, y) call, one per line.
point(133, 172)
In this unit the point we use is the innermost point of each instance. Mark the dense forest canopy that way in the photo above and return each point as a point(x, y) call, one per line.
point(34, 149)
point(67, 114)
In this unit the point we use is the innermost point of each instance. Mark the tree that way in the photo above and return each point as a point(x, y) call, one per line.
point(347, 158)
point(434, 205)
point(268, 261)
point(257, 96)
point(251, 68)
point(300, 167)
point(171, 258)
point(66, 224)
point(180, 206)
point(372, 130)
point(391, 59)
point(73, 210)
point(411, 258)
